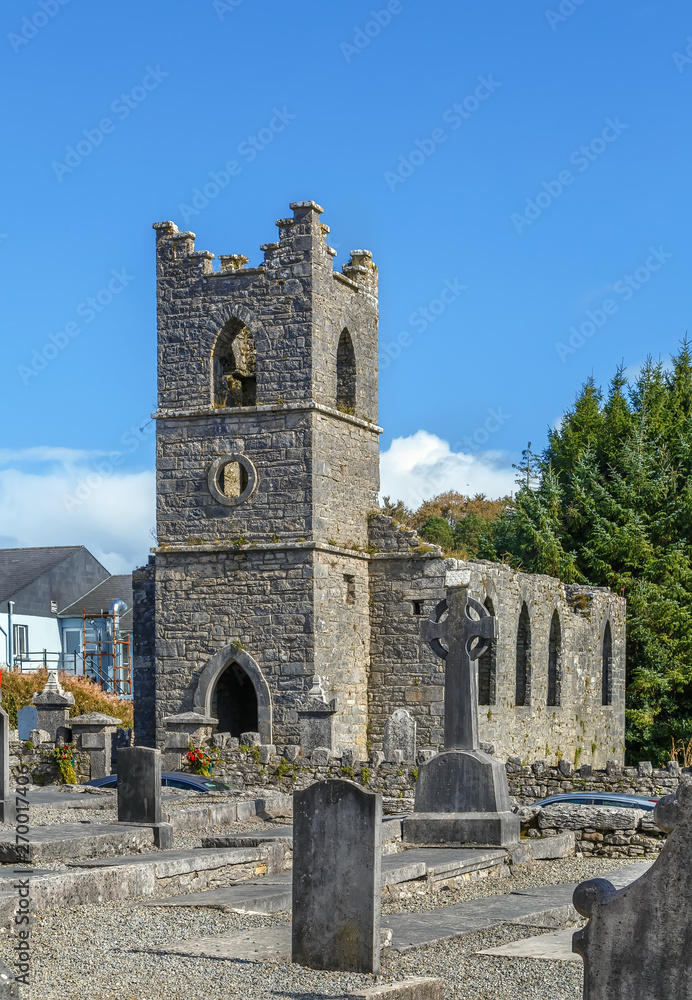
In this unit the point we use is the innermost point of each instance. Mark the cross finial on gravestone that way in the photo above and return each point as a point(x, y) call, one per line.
point(458, 631)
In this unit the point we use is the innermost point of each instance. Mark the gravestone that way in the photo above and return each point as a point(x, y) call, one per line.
point(27, 719)
point(139, 792)
point(636, 943)
point(183, 730)
point(94, 732)
point(337, 830)
point(316, 719)
point(7, 799)
point(53, 706)
point(462, 794)
point(400, 735)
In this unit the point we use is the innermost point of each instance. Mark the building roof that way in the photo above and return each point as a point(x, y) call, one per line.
point(20, 567)
point(98, 601)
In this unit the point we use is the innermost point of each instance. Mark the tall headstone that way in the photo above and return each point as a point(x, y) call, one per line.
point(52, 705)
point(139, 785)
point(7, 801)
point(400, 737)
point(636, 944)
point(336, 877)
point(461, 793)
point(139, 792)
point(27, 719)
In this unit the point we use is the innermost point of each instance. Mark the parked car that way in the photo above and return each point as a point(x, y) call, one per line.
point(174, 779)
point(601, 799)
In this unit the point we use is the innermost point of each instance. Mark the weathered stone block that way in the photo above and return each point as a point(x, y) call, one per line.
point(400, 737)
point(250, 739)
point(93, 741)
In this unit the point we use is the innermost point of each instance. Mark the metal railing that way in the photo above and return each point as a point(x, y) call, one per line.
point(96, 665)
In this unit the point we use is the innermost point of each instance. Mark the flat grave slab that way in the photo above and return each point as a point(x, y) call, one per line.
point(553, 947)
point(270, 897)
point(74, 840)
point(260, 944)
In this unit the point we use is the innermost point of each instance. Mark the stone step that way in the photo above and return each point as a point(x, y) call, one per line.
point(70, 841)
point(391, 833)
point(272, 893)
point(166, 864)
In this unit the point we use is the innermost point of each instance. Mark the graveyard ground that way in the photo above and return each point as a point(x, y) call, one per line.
point(122, 949)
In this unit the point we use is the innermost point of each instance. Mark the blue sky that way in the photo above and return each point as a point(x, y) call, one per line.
point(533, 157)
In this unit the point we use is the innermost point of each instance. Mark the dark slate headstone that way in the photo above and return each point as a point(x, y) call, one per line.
point(336, 877)
point(139, 785)
point(636, 944)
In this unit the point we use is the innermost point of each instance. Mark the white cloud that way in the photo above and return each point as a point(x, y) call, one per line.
point(69, 501)
point(420, 466)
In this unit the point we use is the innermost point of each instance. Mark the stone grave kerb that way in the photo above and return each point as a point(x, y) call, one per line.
point(94, 732)
point(53, 706)
point(462, 794)
point(181, 731)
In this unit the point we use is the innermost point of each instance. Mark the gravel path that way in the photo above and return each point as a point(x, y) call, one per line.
point(110, 951)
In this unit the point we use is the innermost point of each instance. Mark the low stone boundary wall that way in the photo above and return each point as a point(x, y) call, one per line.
point(598, 830)
point(530, 782)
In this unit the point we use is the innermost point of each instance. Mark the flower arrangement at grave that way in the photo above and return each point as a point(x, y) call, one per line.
point(199, 761)
point(64, 758)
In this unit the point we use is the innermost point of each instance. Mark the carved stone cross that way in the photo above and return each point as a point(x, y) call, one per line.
point(458, 631)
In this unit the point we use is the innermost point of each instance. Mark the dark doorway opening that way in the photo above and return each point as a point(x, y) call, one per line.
point(235, 703)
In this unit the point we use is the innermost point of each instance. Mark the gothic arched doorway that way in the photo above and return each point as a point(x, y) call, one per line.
point(230, 660)
point(234, 702)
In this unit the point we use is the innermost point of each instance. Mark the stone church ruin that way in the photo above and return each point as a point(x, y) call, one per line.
point(280, 601)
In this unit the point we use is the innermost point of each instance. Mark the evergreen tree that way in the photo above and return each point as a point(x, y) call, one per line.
point(613, 506)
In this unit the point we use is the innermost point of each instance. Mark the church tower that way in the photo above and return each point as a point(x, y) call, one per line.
point(267, 468)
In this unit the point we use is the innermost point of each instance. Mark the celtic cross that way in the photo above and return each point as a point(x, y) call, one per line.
point(459, 630)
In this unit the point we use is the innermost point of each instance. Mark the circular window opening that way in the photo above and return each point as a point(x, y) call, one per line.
point(232, 479)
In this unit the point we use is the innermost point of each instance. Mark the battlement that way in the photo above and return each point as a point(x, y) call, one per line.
point(302, 239)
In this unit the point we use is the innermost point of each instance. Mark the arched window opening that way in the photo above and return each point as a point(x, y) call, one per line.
point(554, 657)
point(345, 374)
point(234, 362)
point(234, 702)
point(523, 683)
point(607, 667)
point(487, 668)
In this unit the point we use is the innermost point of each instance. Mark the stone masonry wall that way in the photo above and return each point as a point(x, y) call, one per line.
point(407, 583)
